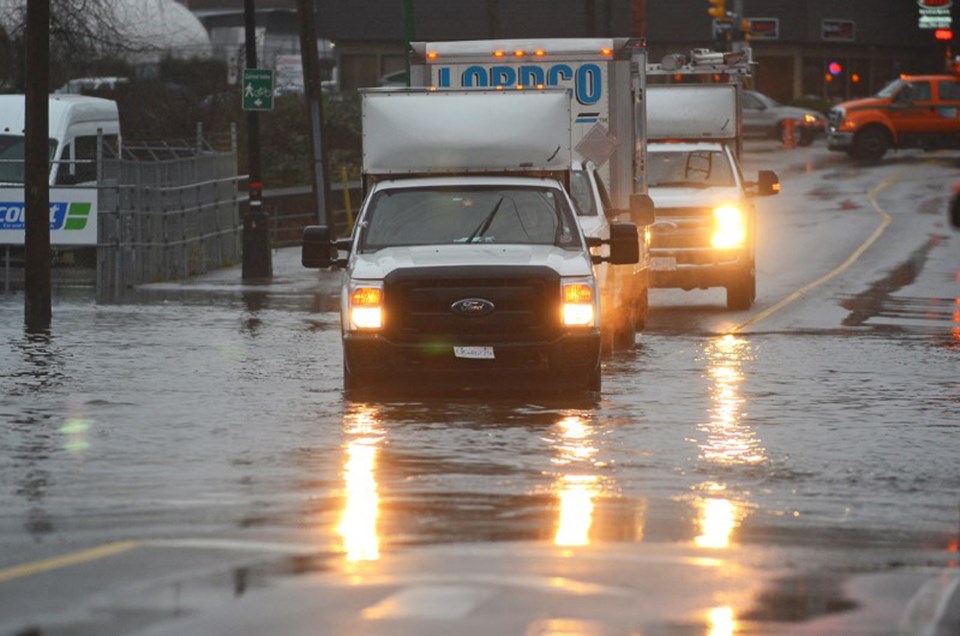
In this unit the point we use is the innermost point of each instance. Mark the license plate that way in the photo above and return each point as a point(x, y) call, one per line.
point(663, 263)
point(474, 353)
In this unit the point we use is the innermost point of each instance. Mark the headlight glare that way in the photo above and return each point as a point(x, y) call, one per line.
point(579, 304)
point(730, 227)
point(366, 307)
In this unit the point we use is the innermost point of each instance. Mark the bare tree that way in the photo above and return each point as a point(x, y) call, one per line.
point(85, 35)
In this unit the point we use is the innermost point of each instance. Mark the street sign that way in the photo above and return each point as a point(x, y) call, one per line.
point(257, 89)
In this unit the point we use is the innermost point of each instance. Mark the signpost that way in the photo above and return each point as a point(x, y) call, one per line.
point(257, 89)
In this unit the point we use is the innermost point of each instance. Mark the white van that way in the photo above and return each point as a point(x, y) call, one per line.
point(75, 121)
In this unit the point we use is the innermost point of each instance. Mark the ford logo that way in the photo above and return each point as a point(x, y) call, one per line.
point(472, 307)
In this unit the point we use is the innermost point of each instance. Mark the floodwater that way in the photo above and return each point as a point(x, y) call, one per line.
point(819, 443)
point(225, 418)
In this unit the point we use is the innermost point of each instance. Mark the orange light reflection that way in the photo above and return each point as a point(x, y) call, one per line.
point(721, 621)
point(727, 441)
point(956, 318)
point(358, 523)
point(578, 484)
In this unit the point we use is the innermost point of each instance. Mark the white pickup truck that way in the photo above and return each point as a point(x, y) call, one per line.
point(467, 268)
point(705, 234)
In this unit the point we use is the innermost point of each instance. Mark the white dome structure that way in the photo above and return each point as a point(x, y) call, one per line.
point(145, 30)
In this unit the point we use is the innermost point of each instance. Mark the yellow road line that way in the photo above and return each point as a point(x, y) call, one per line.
point(66, 560)
point(873, 194)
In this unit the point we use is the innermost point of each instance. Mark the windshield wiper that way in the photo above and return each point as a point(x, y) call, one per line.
point(485, 224)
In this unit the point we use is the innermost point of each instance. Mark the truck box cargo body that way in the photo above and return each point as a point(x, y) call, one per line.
point(412, 131)
point(604, 78)
point(467, 268)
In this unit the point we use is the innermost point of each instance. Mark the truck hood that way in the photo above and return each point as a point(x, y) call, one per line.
point(379, 264)
point(664, 198)
point(866, 102)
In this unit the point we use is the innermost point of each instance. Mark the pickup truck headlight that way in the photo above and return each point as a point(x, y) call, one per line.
point(579, 300)
point(729, 227)
point(366, 307)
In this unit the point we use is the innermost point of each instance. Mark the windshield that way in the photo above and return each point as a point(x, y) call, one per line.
point(468, 214)
point(11, 157)
point(582, 193)
point(891, 88)
point(692, 169)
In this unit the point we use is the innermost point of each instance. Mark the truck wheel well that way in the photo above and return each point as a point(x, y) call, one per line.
point(878, 128)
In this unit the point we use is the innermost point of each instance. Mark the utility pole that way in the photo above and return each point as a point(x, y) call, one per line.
point(639, 18)
point(257, 262)
point(408, 30)
point(37, 305)
point(310, 59)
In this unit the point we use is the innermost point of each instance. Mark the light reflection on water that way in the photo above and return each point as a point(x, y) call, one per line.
point(728, 441)
point(721, 621)
point(577, 483)
point(358, 529)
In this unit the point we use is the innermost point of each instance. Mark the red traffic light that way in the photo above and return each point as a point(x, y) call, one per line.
point(944, 35)
point(835, 68)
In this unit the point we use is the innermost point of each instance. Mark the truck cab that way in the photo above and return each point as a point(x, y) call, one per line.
point(76, 123)
point(467, 268)
point(912, 111)
point(705, 234)
point(624, 289)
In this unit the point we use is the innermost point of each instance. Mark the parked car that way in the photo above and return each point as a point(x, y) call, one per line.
point(765, 117)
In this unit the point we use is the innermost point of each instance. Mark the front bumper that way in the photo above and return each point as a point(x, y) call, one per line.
point(699, 268)
point(837, 140)
point(569, 362)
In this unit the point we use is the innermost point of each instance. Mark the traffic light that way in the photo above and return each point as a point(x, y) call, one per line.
point(718, 9)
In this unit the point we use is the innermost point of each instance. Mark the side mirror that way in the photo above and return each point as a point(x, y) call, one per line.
point(768, 183)
point(642, 210)
point(317, 251)
point(624, 244)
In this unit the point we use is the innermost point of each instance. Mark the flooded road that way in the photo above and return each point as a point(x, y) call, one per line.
point(808, 441)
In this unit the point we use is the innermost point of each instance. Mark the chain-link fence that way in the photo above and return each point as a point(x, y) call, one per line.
point(166, 212)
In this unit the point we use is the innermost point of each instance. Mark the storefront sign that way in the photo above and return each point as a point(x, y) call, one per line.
point(838, 30)
point(764, 28)
point(935, 14)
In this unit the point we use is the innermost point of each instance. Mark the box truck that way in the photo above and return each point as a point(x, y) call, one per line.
point(467, 268)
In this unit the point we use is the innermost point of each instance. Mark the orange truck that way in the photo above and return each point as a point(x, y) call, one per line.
point(912, 111)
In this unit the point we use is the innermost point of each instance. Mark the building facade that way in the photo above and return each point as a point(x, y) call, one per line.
point(824, 48)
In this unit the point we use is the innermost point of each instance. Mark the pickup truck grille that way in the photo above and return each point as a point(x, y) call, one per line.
point(418, 304)
point(835, 117)
point(682, 228)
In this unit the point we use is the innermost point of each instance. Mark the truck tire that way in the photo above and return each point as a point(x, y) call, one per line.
point(742, 291)
point(595, 381)
point(350, 382)
point(871, 144)
point(806, 137)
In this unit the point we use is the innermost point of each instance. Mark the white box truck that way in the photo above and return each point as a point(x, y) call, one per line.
point(467, 268)
point(605, 78)
point(705, 233)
